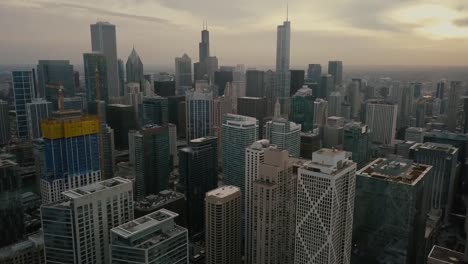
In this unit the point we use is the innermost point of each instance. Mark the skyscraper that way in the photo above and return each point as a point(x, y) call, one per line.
point(314, 71)
point(67, 155)
point(381, 118)
point(325, 206)
point(183, 74)
point(254, 107)
point(122, 119)
point(155, 110)
point(354, 98)
point(221, 78)
point(95, 65)
point(297, 81)
point(405, 106)
point(333, 132)
point(204, 45)
point(390, 194)
point(238, 133)
point(198, 174)
point(134, 68)
point(11, 210)
point(54, 72)
point(283, 40)
point(326, 86)
point(357, 141)
point(76, 229)
point(36, 111)
point(255, 83)
point(302, 108)
point(4, 123)
point(335, 68)
point(108, 151)
point(274, 209)
point(103, 40)
point(223, 225)
point(121, 77)
point(465, 114)
point(23, 93)
point(335, 100)
point(320, 112)
point(153, 238)
point(454, 98)
point(199, 109)
point(150, 149)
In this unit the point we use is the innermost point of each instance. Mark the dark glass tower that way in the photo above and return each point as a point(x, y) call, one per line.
point(55, 72)
point(254, 86)
point(93, 62)
point(335, 68)
point(297, 80)
point(198, 175)
point(155, 110)
point(314, 72)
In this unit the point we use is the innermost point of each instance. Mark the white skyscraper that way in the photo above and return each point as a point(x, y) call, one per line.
point(381, 117)
point(103, 40)
point(199, 111)
point(254, 156)
point(320, 112)
point(183, 74)
point(325, 207)
point(76, 229)
point(282, 60)
point(335, 99)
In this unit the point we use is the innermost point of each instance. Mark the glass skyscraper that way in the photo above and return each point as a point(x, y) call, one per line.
point(55, 72)
point(23, 92)
point(155, 110)
point(302, 109)
point(95, 62)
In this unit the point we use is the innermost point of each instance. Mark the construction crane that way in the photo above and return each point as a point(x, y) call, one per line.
point(60, 89)
point(98, 106)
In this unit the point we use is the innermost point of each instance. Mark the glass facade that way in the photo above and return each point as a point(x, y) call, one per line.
point(23, 90)
point(93, 62)
point(55, 72)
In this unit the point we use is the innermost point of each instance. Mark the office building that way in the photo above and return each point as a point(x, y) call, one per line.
point(223, 225)
point(310, 142)
point(415, 134)
point(325, 205)
point(183, 74)
point(326, 86)
point(335, 68)
point(441, 255)
point(122, 119)
point(174, 158)
point(23, 93)
point(270, 85)
point(153, 238)
point(67, 155)
point(108, 152)
point(76, 228)
point(28, 251)
point(320, 112)
point(155, 110)
point(199, 111)
point(255, 107)
point(381, 117)
point(357, 141)
point(354, 99)
point(95, 70)
point(255, 83)
point(335, 101)
point(103, 40)
point(453, 100)
point(173, 111)
point(36, 111)
point(11, 211)
point(238, 133)
point(5, 133)
point(314, 71)
point(149, 154)
point(302, 109)
point(121, 70)
point(54, 72)
point(465, 114)
point(405, 106)
point(165, 88)
point(297, 81)
point(274, 209)
point(390, 193)
point(333, 133)
point(445, 167)
point(282, 60)
point(167, 199)
point(198, 174)
point(221, 78)
point(134, 68)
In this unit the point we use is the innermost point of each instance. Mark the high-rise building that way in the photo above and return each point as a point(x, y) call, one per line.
point(354, 99)
point(155, 110)
point(390, 194)
point(325, 206)
point(255, 83)
point(121, 67)
point(357, 141)
point(199, 111)
point(255, 107)
point(28, 251)
point(153, 238)
point(67, 154)
point(238, 133)
point(173, 111)
point(165, 88)
point(333, 132)
point(381, 117)
point(183, 74)
point(198, 174)
point(326, 86)
point(335, 100)
point(302, 109)
point(11, 210)
point(453, 100)
point(4, 123)
point(405, 106)
point(122, 119)
point(204, 45)
point(173, 145)
point(283, 40)
point(134, 68)
point(149, 153)
point(335, 68)
point(95, 65)
point(443, 159)
point(76, 228)
point(223, 225)
point(23, 93)
point(283, 133)
point(36, 111)
point(221, 78)
point(310, 142)
point(297, 81)
point(465, 114)
point(314, 71)
point(320, 112)
point(103, 40)
point(54, 72)
point(415, 134)
point(274, 209)
point(108, 151)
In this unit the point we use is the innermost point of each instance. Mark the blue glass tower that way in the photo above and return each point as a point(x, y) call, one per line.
point(23, 91)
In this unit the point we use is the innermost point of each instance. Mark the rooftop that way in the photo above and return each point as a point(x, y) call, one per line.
point(399, 170)
point(156, 201)
point(95, 187)
point(328, 161)
point(224, 191)
point(445, 255)
point(144, 223)
point(431, 146)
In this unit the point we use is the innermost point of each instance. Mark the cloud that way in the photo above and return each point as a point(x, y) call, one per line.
point(461, 22)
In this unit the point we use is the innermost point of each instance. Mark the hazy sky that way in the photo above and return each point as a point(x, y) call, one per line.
point(383, 32)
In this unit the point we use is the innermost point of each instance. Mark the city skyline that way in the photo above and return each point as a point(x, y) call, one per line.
point(399, 33)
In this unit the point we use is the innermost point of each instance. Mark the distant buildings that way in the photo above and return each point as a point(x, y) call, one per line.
point(325, 206)
point(199, 111)
point(223, 234)
point(381, 118)
point(134, 68)
point(454, 97)
point(283, 40)
point(314, 71)
point(183, 74)
point(23, 93)
point(335, 68)
point(29, 251)
point(77, 228)
point(153, 238)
